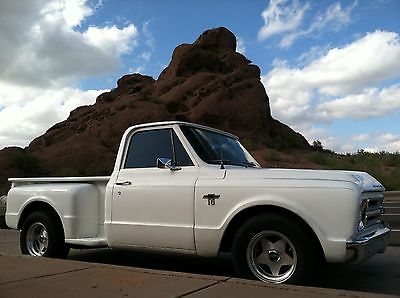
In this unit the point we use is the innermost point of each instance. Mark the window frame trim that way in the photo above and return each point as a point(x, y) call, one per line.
point(171, 128)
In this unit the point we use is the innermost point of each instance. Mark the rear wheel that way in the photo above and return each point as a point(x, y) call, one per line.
point(272, 248)
point(42, 236)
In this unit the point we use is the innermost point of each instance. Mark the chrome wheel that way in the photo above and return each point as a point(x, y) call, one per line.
point(37, 239)
point(271, 257)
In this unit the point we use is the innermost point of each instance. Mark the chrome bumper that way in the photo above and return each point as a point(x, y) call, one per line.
point(361, 248)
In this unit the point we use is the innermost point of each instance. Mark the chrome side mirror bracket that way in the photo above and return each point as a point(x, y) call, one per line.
point(163, 163)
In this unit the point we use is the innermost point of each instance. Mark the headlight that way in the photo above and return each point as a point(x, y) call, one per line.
point(363, 219)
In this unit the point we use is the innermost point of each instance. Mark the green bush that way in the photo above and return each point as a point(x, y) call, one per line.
point(319, 158)
point(384, 166)
point(26, 163)
point(96, 169)
point(272, 155)
point(249, 144)
point(66, 172)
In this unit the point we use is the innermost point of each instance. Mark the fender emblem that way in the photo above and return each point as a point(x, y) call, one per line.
point(211, 197)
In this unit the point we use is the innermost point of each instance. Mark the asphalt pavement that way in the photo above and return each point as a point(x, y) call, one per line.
point(154, 275)
point(23, 276)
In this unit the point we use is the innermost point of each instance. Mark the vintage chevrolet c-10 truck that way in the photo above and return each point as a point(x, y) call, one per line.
point(189, 189)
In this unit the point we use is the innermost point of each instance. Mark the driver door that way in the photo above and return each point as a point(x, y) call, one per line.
point(154, 207)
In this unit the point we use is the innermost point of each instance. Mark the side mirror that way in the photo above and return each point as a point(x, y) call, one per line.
point(163, 162)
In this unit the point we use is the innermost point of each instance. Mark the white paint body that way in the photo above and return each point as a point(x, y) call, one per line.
point(164, 210)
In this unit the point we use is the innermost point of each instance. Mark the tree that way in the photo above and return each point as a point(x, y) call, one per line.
point(317, 146)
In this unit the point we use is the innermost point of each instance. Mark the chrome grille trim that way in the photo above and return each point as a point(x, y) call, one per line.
point(375, 207)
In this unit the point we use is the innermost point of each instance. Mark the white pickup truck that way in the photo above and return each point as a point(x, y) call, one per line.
point(184, 188)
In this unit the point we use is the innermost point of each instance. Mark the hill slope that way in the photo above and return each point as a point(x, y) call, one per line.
point(206, 82)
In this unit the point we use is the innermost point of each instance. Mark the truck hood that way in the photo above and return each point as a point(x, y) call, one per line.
point(362, 179)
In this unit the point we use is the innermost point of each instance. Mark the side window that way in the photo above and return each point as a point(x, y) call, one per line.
point(146, 146)
point(182, 158)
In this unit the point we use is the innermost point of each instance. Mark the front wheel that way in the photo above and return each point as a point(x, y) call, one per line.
point(42, 236)
point(272, 248)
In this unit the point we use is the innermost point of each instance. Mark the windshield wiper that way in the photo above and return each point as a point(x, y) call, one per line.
point(223, 162)
point(250, 164)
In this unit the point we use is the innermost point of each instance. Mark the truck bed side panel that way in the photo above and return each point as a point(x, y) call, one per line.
point(77, 204)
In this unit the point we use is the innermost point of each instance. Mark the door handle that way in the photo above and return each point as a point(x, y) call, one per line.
point(123, 183)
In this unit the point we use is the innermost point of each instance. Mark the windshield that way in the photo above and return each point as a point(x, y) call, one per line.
point(216, 148)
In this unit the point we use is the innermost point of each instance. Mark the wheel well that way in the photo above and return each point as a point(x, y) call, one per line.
point(243, 216)
point(39, 206)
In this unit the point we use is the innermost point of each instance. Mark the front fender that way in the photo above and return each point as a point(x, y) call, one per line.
point(329, 212)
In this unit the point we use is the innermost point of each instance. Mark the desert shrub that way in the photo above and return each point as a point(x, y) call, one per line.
point(391, 181)
point(26, 163)
point(272, 155)
point(96, 169)
point(392, 160)
point(249, 144)
point(319, 158)
point(66, 172)
point(278, 143)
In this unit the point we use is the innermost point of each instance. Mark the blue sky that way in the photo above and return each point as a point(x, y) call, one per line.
point(330, 68)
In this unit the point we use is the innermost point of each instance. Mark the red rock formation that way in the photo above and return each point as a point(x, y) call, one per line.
point(206, 82)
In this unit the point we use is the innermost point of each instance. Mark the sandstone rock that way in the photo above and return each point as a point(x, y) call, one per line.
point(206, 82)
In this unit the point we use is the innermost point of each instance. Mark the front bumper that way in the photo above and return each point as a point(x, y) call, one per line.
point(361, 248)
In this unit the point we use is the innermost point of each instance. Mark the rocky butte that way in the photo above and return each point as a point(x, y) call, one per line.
point(206, 82)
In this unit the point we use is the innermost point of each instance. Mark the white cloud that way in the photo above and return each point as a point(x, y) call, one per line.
point(333, 19)
point(149, 44)
point(384, 142)
point(46, 47)
point(44, 52)
point(369, 103)
point(388, 138)
point(240, 46)
point(73, 12)
point(338, 84)
point(368, 60)
point(30, 111)
point(279, 63)
point(286, 19)
point(148, 36)
point(361, 137)
point(314, 53)
point(281, 17)
point(370, 142)
point(355, 81)
point(393, 146)
point(111, 39)
point(337, 144)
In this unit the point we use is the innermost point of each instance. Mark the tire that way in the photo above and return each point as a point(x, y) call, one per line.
point(43, 236)
point(275, 249)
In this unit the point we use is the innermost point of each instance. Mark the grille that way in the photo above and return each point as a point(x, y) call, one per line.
point(374, 208)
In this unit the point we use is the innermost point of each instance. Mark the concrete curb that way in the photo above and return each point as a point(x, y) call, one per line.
point(23, 276)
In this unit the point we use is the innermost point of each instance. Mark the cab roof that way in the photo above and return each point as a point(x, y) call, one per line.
point(168, 123)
